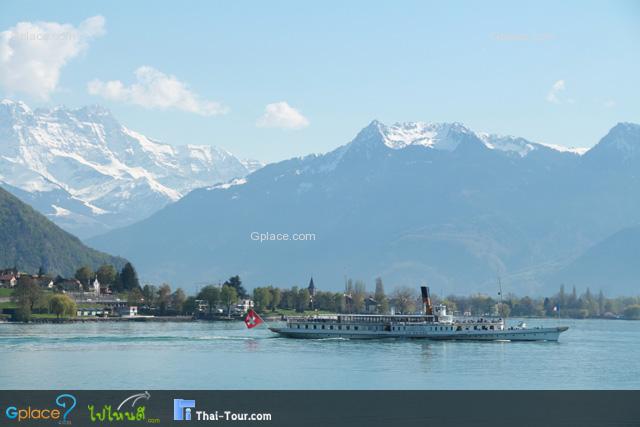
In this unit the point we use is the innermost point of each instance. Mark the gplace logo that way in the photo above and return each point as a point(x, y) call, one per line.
point(182, 409)
point(66, 403)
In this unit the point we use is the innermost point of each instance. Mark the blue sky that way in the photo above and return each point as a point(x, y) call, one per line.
point(326, 69)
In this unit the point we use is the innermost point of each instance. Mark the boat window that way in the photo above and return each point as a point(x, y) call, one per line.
point(298, 326)
point(340, 327)
point(330, 326)
point(355, 328)
point(314, 326)
point(322, 326)
point(348, 327)
point(306, 326)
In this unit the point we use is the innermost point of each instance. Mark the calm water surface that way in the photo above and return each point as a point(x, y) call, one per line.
point(593, 354)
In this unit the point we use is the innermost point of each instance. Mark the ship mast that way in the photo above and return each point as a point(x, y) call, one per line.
point(501, 302)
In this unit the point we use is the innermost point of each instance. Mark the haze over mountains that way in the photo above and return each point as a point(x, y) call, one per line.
point(89, 174)
point(412, 203)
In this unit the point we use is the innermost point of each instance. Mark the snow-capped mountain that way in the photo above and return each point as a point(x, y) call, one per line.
point(447, 137)
point(411, 203)
point(89, 173)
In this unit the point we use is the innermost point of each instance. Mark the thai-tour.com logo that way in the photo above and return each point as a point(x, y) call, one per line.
point(59, 411)
point(182, 409)
point(185, 410)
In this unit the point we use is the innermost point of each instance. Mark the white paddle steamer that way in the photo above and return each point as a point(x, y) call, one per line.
point(435, 324)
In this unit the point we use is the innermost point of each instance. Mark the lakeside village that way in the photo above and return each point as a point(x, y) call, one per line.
point(109, 294)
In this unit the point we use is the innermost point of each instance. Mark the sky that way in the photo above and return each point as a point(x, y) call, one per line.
point(273, 80)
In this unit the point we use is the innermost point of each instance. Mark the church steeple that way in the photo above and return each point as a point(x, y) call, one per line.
point(312, 288)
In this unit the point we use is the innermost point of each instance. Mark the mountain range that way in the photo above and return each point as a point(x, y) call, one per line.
point(413, 203)
point(89, 173)
point(30, 242)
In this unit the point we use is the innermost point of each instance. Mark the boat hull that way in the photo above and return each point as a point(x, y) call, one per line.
point(533, 334)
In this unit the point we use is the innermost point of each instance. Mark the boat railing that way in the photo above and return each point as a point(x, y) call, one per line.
point(477, 320)
point(362, 318)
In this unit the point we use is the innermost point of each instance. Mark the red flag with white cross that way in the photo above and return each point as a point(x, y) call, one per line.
point(252, 320)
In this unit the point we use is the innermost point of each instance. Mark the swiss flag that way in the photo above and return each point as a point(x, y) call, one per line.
point(252, 320)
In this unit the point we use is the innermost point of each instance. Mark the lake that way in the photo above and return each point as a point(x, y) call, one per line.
point(593, 354)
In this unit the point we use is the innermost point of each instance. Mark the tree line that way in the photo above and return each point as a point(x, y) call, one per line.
point(119, 281)
point(355, 298)
point(407, 300)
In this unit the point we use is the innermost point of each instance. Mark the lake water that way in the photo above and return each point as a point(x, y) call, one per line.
point(593, 354)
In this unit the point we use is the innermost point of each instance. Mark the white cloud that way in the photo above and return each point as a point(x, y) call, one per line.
point(610, 103)
point(154, 89)
point(282, 115)
point(554, 94)
point(33, 53)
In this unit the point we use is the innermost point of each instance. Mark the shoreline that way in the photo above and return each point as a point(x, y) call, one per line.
point(176, 319)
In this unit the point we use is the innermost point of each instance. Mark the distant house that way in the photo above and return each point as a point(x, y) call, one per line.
point(105, 289)
point(44, 282)
point(243, 306)
point(202, 306)
point(92, 312)
point(8, 280)
point(371, 305)
point(68, 285)
point(129, 311)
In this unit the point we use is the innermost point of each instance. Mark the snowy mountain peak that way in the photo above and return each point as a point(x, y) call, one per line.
point(440, 136)
point(88, 155)
point(14, 108)
point(448, 136)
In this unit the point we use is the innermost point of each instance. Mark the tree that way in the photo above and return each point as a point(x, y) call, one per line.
point(503, 309)
point(380, 297)
point(149, 293)
point(42, 271)
point(129, 277)
point(302, 301)
point(261, 299)
point(117, 283)
point(291, 297)
point(348, 287)
point(190, 306)
point(601, 303)
point(229, 297)
point(358, 296)
point(62, 305)
point(164, 297)
point(84, 275)
point(178, 299)
point(236, 283)
point(107, 274)
point(404, 299)
point(526, 307)
point(26, 295)
point(481, 304)
point(276, 297)
point(210, 294)
point(135, 297)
